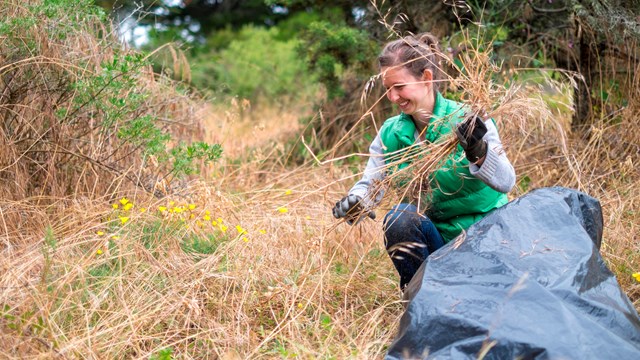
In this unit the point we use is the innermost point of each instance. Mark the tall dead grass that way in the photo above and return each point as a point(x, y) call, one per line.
point(66, 85)
point(287, 286)
point(275, 276)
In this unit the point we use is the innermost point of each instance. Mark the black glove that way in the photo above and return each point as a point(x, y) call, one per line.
point(350, 208)
point(470, 133)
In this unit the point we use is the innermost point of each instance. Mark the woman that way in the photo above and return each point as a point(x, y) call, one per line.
point(472, 181)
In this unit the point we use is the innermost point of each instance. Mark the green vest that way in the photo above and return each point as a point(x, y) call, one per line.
point(457, 198)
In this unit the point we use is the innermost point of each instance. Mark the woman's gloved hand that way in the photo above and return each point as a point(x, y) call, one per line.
point(350, 208)
point(470, 133)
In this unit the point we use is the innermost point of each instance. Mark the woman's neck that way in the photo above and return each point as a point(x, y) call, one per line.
point(422, 121)
point(422, 117)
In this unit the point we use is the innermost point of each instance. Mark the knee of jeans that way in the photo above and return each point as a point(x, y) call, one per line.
point(399, 221)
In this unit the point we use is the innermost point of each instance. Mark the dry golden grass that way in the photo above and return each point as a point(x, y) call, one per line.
point(68, 88)
point(293, 286)
point(240, 126)
point(299, 286)
point(275, 276)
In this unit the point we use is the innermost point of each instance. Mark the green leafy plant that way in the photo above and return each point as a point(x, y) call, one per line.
point(331, 49)
point(164, 354)
point(25, 323)
point(185, 155)
point(202, 244)
point(255, 64)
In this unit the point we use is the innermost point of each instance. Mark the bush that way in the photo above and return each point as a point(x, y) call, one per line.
point(330, 49)
point(343, 59)
point(256, 64)
point(80, 110)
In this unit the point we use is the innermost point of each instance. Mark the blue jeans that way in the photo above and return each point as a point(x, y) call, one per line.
point(409, 238)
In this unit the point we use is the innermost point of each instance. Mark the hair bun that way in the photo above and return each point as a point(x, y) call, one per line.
point(428, 39)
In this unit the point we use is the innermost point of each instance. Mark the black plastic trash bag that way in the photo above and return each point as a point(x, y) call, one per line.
point(527, 282)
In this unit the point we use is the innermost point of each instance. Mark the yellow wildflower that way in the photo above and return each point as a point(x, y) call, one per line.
point(143, 210)
point(206, 218)
point(636, 276)
point(124, 201)
point(283, 209)
point(123, 219)
point(308, 217)
point(261, 231)
point(127, 206)
point(288, 192)
point(214, 223)
point(100, 233)
point(199, 223)
point(245, 239)
point(300, 305)
point(115, 237)
point(171, 203)
point(240, 230)
point(99, 252)
point(207, 212)
point(223, 228)
point(192, 206)
point(220, 220)
point(114, 206)
point(192, 216)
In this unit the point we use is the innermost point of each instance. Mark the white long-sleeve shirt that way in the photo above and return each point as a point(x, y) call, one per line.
point(496, 171)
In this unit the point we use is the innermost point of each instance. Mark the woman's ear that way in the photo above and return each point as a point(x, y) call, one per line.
point(427, 75)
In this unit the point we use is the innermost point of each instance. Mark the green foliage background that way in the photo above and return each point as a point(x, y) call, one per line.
point(255, 64)
point(232, 55)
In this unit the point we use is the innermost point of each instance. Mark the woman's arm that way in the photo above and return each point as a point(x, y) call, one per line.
point(496, 169)
point(375, 171)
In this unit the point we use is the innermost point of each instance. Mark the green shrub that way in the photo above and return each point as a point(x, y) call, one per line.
point(254, 65)
point(82, 110)
point(331, 49)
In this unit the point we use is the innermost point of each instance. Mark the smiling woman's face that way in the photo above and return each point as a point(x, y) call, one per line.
point(413, 95)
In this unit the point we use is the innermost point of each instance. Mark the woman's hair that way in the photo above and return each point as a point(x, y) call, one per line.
point(414, 52)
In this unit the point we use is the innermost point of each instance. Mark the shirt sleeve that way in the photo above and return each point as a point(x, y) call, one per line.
point(375, 171)
point(496, 170)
